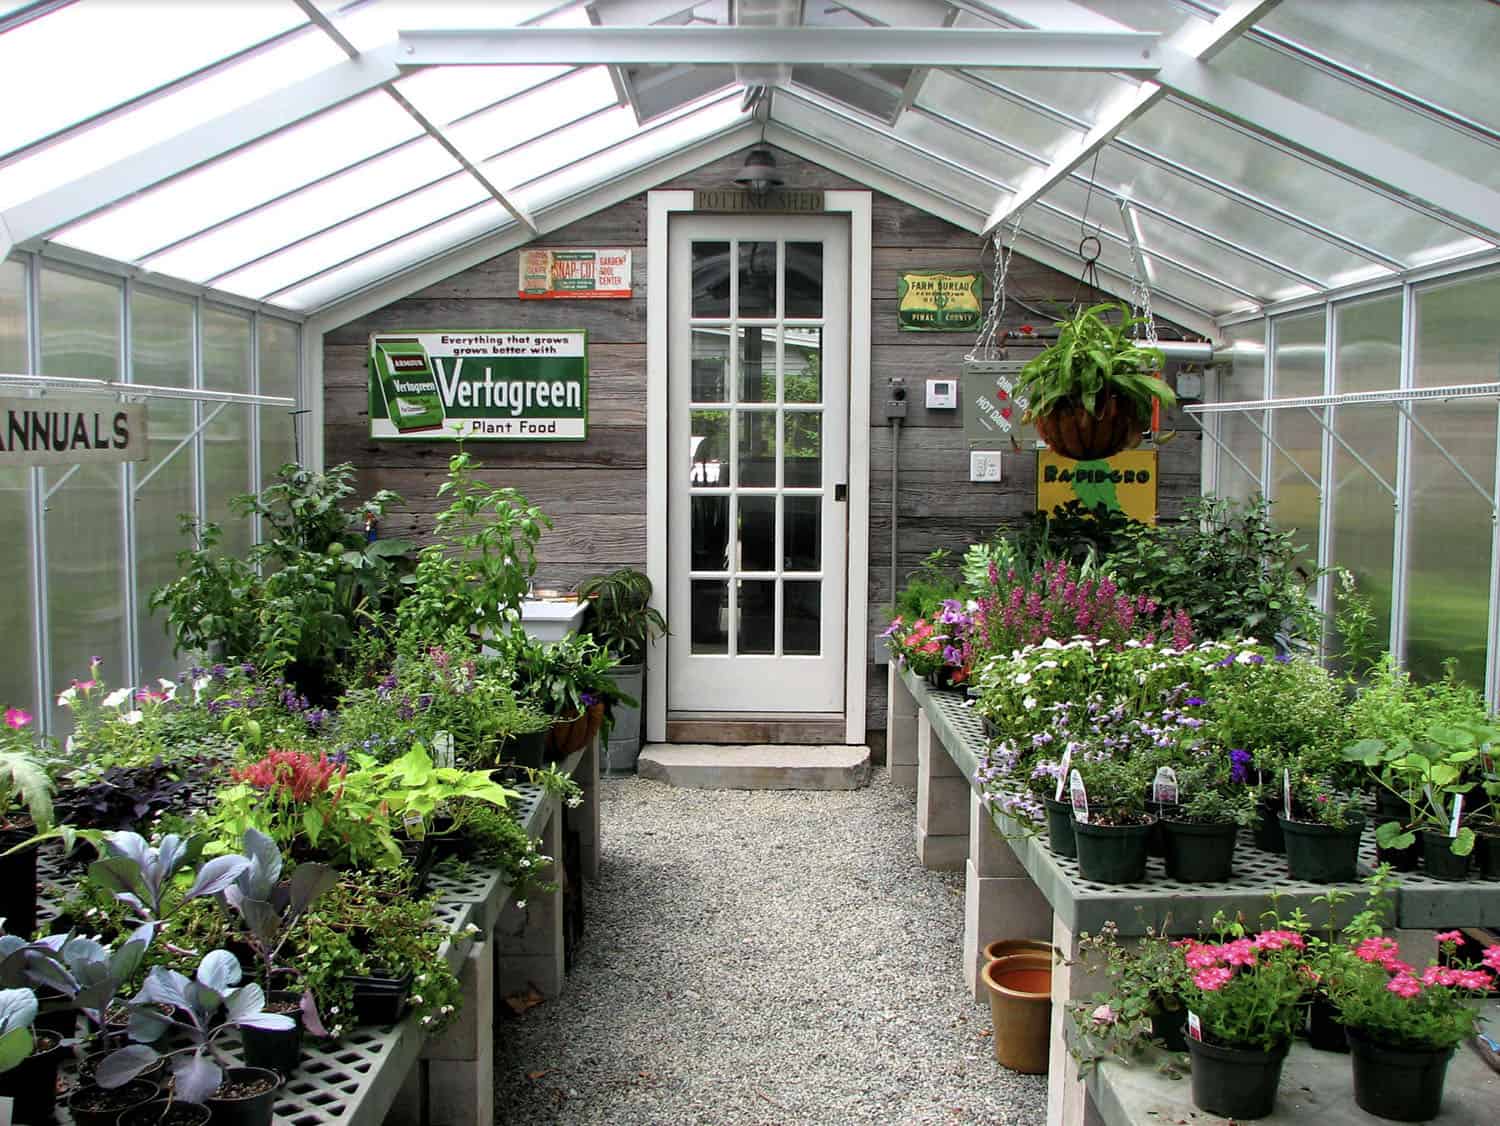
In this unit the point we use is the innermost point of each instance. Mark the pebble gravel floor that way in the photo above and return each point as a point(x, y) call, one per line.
point(762, 957)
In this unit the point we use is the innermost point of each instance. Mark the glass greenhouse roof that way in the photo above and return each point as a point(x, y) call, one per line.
point(298, 152)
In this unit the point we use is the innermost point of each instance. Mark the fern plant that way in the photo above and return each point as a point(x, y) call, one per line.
point(1091, 359)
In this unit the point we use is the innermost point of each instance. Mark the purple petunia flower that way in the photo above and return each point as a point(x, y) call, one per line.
point(1193, 702)
point(1239, 765)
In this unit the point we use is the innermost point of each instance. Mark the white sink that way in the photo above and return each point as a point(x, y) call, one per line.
point(551, 619)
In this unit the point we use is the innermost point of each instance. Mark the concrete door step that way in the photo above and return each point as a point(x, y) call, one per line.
point(704, 766)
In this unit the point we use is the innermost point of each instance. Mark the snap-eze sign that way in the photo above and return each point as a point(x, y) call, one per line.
point(69, 430)
point(435, 385)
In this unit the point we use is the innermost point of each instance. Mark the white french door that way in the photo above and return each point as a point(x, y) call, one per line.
point(758, 422)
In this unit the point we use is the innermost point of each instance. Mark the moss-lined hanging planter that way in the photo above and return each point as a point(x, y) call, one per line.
point(1091, 393)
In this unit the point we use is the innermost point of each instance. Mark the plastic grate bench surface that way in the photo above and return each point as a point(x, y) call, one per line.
point(1421, 901)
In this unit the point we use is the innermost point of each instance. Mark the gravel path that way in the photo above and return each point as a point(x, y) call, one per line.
point(762, 958)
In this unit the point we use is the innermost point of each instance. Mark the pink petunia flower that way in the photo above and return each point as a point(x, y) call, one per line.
point(1404, 985)
point(1213, 978)
point(17, 718)
point(1375, 949)
point(1240, 952)
point(1491, 958)
point(1202, 957)
point(1448, 936)
point(1277, 940)
point(1477, 980)
point(1437, 975)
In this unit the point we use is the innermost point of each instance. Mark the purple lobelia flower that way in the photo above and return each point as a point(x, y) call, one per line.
point(1239, 765)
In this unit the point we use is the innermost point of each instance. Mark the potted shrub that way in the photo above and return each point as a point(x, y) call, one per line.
point(1243, 1004)
point(623, 620)
point(1323, 832)
point(1200, 832)
point(1091, 391)
point(1403, 1025)
point(1112, 840)
point(25, 811)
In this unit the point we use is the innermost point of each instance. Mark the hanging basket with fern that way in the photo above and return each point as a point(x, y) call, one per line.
point(1090, 394)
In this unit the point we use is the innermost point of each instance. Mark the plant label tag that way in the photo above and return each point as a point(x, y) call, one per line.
point(1164, 787)
point(1286, 792)
point(6, 1105)
point(1080, 797)
point(1194, 1026)
point(442, 750)
point(1458, 812)
point(1062, 773)
point(412, 822)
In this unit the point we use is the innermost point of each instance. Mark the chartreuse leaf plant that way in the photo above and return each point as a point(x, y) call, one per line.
point(1093, 357)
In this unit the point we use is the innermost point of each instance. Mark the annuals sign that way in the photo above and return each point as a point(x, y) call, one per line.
point(59, 430)
point(487, 385)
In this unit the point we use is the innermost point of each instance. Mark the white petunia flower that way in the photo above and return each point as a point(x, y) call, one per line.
point(134, 717)
point(1029, 703)
point(1023, 678)
point(117, 697)
point(66, 697)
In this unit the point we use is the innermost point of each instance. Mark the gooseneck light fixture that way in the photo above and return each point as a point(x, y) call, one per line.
point(759, 176)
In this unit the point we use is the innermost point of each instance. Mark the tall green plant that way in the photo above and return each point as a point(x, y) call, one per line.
point(1091, 358)
point(624, 621)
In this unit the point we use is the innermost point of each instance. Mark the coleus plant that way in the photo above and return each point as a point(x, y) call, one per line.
point(202, 1009)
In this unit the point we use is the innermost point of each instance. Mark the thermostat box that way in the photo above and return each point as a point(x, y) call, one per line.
point(942, 394)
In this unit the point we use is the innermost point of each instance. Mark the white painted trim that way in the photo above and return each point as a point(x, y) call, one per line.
point(659, 207)
point(856, 656)
point(856, 203)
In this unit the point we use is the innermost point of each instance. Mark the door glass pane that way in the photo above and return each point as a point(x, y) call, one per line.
point(804, 449)
point(710, 533)
point(710, 363)
point(710, 616)
point(802, 365)
point(803, 535)
point(757, 364)
point(757, 534)
point(710, 279)
point(804, 279)
point(757, 267)
point(161, 346)
point(801, 618)
point(757, 462)
point(757, 616)
point(710, 449)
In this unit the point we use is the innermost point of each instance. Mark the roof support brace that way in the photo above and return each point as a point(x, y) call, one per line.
point(1195, 42)
point(1127, 51)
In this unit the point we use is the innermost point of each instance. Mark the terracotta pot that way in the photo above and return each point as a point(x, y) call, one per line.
point(1005, 947)
point(1073, 432)
point(1020, 988)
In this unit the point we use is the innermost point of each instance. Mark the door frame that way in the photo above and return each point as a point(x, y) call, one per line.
point(856, 204)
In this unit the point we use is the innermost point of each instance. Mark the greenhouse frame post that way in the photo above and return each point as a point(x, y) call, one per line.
point(1401, 536)
point(127, 503)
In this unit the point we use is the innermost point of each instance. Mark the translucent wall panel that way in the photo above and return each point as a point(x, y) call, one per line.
point(1458, 341)
point(226, 440)
point(1367, 358)
point(1241, 380)
point(80, 328)
point(1297, 467)
point(161, 353)
point(17, 679)
point(278, 376)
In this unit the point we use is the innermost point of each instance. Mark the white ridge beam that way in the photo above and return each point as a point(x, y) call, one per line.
point(1128, 51)
point(81, 198)
point(1197, 42)
point(1327, 140)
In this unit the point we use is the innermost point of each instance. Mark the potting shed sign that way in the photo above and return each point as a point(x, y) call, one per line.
point(550, 274)
point(1123, 483)
point(442, 384)
point(938, 301)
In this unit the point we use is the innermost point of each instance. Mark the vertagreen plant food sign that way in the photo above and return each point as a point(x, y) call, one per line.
point(489, 385)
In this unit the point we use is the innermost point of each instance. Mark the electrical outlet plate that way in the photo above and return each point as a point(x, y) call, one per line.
point(984, 465)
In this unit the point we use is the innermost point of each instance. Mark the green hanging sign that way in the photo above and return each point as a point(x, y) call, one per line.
point(939, 301)
point(440, 384)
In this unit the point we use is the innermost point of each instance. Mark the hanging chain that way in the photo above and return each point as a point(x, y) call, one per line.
point(986, 348)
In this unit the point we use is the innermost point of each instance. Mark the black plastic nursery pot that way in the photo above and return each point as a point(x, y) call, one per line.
point(1235, 1082)
point(1438, 858)
point(1487, 855)
point(1325, 1031)
point(1170, 1027)
point(1199, 852)
point(380, 999)
point(1156, 842)
point(18, 880)
point(91, 1105)
point(1400, 1083)
point(1319, 854)
point(1060, 827)
point(271, 1049)
point(246, 1097)
point(942, 679)
point(1112, 854)
point(525, 750)
point(1268, 835)
point(164, 1112)
point(32, 1083)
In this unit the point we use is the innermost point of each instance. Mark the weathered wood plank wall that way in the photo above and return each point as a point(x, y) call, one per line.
point(596, 490)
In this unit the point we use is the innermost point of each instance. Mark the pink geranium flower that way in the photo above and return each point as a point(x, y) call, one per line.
point(1213, 978)
point(1448, 936)
point(1491, 958)
point(1240, 952)
point(1404, 985)
point(17, 718)
point(1376, 950)
point(1276, 940)
point(1477, 980)
point(1437, 975)
point(1201, 957)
